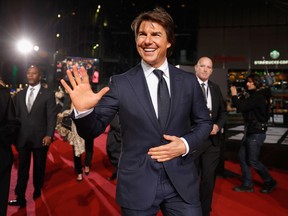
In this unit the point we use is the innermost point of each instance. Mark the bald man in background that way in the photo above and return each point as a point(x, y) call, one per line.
point(208, 156)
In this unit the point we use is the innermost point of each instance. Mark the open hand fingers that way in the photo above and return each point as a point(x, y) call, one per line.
point(84, 75)
point(103, 91)
point(77, 76)
point(66, 86)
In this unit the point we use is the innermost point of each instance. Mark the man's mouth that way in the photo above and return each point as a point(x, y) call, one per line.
point(149, 50)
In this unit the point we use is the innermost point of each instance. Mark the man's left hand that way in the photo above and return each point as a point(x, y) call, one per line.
point(173, 149)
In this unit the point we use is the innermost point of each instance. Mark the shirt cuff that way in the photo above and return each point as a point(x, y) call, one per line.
point(83, 113)
point(186, 145)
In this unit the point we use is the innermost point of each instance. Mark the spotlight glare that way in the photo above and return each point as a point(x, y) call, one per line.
point(36, 48)
point(24, 46)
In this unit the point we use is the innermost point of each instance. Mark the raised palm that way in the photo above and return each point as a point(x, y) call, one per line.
point(81, 94)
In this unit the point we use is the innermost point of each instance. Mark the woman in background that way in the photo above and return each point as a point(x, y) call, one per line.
point(79, 145)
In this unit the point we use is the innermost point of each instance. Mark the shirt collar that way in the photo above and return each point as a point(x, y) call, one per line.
point(200, 81)
point(148, 69)
point(36, 87)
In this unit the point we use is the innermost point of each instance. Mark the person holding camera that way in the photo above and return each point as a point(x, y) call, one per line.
point(254, 107)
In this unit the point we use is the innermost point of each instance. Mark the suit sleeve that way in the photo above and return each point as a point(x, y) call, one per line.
point(200, 118)
point(9, 125)
point(221, 110)
point(51, 114)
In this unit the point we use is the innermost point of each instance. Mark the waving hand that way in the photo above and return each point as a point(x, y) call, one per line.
point(81, 94)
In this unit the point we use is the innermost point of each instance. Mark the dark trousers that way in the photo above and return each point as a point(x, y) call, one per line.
point(6, 156)
point(89, 149)
point(39, 165)
point(168, 200)
point(249, 152)
point(207, 163)
point(113, 146)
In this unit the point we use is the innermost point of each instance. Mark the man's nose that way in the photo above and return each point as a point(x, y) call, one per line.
point(148, 39)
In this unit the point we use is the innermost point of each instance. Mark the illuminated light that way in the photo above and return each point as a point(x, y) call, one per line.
point(95, 47)
point(73, 13)
point(59, 15)
point(274, 54)
point(24, 46)
point(36, 48)
point(57, 35)
point(270, 62)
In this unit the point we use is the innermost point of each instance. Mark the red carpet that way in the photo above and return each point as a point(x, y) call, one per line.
point(62, 195)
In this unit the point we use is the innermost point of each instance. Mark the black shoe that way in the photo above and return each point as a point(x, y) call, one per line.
point(269, 187)
point(113, 176)
point(36, 194)
point(17, 202)
point(243, 188)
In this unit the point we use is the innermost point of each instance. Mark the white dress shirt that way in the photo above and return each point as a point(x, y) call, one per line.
point(208, 93)
point(35, 92)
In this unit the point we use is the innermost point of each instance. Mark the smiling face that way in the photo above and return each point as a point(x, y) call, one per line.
point(152, 43)
point(204, 68)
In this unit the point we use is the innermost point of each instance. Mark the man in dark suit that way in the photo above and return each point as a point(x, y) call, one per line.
point(8, 129)
point(156, 169)
point(36, 110)
point(208, 156)
point(113, 145)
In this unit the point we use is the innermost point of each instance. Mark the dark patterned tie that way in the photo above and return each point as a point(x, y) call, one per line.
point(30, 99)
point(163, 99)
point(204, 91)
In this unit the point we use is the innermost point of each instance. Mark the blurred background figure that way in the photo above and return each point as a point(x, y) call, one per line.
point(8, 131)
point(113, 145)
point(255, 108)
point(67, 129)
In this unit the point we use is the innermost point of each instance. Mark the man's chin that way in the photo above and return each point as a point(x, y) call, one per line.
point(150, 61)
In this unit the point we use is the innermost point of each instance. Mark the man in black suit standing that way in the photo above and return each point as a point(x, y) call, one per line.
point(36, 110)
point(8, 128)
point(208, 156)
point(163, 118)
point(113, 145)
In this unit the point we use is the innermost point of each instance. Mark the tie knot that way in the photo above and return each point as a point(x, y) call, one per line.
point(203, 84)
point(158, 73)
point(32, 89)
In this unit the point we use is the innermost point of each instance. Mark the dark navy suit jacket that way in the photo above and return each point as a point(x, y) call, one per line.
point(188, 118)
point(41, 120)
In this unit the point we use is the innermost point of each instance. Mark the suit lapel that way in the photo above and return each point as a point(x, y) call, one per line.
point(213, 97)
point(175, 90)
point(23, 99)
point(140, 87)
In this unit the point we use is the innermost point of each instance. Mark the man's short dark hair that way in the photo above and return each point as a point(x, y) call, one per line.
point(160, 16)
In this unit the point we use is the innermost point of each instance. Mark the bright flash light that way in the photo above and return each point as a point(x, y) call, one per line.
point(36, 48)
point(24, 46)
